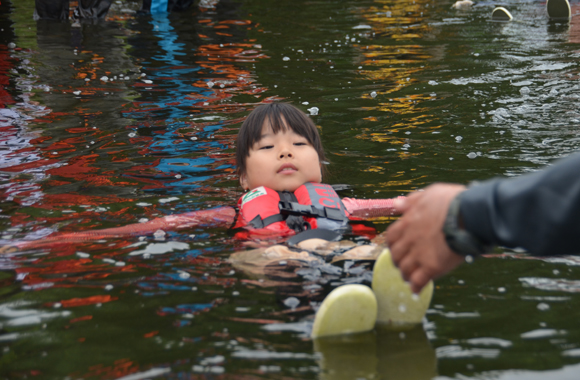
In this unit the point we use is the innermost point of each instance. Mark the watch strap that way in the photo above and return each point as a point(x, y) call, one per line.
point(459, 239)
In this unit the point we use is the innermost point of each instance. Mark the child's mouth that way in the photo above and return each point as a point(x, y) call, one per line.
point(289, 168)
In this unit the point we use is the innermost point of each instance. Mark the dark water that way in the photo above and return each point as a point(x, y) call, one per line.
point(409, 93)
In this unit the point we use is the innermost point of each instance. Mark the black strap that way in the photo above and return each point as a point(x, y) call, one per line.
point(286, 196)
point(293, 221)
point(258, 222)
point(297, 223)
point(295, 208)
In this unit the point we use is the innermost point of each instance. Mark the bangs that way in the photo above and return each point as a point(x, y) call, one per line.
point(280, 116)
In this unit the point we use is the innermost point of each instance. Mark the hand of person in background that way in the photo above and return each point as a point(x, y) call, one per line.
point(416, 240)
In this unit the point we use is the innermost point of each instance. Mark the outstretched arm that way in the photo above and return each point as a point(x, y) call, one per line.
point(537, 211)
point(217, 217)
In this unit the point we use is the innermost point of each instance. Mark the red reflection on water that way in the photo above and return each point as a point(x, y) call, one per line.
point(120, 368)
point(74, 302)
point(6, 63)
point(574, 34)
point(80, 319)
point(81, 155)
point(74, 167)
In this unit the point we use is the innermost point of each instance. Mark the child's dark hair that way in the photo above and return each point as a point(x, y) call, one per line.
point(251, 130)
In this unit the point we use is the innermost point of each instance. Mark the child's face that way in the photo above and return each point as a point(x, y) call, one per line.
point(282, 161)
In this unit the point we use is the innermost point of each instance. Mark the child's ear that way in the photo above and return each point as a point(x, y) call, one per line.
point(244, 182)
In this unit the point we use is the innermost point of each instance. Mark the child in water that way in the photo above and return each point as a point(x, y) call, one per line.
point(280, 160)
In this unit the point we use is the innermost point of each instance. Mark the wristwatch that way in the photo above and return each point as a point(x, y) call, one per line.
point(459, 239)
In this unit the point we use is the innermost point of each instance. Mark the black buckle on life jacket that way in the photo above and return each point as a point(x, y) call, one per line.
point(294, 222)
point(294, 208)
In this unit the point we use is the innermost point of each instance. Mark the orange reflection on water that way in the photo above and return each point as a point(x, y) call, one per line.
point(89, 67)
point(393, 66)
point(93, 300)
point(399, 18)
point(395, 63)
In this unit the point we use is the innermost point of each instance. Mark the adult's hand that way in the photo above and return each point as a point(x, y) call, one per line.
point(416, 240)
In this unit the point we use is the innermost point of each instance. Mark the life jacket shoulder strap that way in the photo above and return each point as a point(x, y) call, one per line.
point(295, 208)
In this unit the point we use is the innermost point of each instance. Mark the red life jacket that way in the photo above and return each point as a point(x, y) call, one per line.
point(266, 212)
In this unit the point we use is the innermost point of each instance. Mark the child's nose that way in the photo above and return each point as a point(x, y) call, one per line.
point(285, 153)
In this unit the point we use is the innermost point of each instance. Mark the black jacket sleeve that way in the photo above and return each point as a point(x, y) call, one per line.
point(539, 211)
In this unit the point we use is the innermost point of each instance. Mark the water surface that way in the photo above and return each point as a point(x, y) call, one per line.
point(135, 117)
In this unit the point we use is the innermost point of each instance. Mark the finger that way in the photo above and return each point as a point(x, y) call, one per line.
point(394, 232)
point(403, 204)
point(408, 265)
point(412, 198)
point(399, 250)
point(418, 279)
point(399, 205)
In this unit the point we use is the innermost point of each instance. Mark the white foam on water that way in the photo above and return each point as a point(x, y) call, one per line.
point(265, 355)
point(542, 333)
point(454, 351)
point(161, 248)
point(485, 341)
point(154, 372)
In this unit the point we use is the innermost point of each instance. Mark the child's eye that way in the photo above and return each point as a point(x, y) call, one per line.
point(267, 147)
point(300, 143)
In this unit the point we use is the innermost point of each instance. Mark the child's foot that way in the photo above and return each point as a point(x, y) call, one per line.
point(502, 14)
point(347, 309)
point(558, 9)
point(396, 303)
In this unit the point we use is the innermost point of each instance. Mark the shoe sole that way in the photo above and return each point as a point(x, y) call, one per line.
point(558, 9)
point(397, 305)
point(348, 309)
point(501, 14)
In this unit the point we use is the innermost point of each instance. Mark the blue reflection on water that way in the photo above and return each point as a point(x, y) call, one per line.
point(182, 309)
point(175, 96)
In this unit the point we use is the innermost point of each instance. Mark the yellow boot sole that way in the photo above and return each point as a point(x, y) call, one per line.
point(501, 14)
point(558, 9)
point(397, 305)
point(348, 309)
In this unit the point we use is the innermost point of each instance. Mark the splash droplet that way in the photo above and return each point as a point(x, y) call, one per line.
point(313, 111)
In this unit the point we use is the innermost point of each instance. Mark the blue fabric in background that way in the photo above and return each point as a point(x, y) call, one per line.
point(158, 6)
